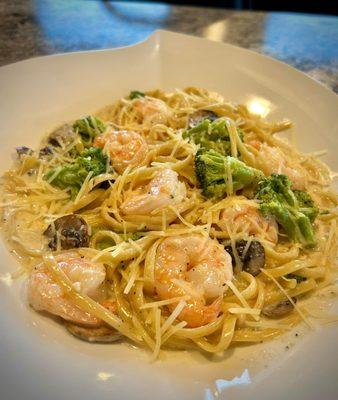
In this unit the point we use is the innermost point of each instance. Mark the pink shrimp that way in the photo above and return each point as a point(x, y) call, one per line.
point(245, 217)
point(125, 148)
point(196, 266)
point(274, 163)
point(44, 294)
point(163, 190)
point(152, 110)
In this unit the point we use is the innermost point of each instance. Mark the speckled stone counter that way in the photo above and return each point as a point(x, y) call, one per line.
point(38, 27)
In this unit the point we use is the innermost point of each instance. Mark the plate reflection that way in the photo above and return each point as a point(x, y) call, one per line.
point(259, 106)
point(224, 384)
point(97, 24)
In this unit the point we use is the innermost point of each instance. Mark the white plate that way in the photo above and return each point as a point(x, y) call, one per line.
point(39, 360)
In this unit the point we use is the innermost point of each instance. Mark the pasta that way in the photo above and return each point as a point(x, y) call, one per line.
point(122, 211)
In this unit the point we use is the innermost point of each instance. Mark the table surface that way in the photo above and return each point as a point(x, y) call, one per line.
point(29, 28)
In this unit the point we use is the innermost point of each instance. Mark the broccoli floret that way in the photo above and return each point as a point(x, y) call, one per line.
point(212, 135)
point(135, 94)
point(293, 210)
point(88, 128)
point(72, 176)
point(306, 204)
point(212, 171)
point(93, 159)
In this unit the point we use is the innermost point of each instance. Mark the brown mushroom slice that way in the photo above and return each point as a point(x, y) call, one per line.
point(62, 136)
point(279, 309)
point(72, 231)
point(198, 116)
point(252, 258)
point(102, 334)
point(46, 152)
point(23, 151)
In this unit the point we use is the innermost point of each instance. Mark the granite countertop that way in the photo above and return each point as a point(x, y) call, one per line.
point(30, 28)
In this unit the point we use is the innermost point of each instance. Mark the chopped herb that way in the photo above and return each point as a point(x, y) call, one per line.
point(136, 94)
point(298, 278)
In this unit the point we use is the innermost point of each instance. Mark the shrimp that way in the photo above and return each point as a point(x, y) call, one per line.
point(246, 218)
point(44, 294)
point(125, 148)
point(163, 190)
point(274, 163)
point(196, 266)
point(152, 110)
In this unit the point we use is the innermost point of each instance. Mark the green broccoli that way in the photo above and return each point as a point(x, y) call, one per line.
point(294, 210)
point(72, 176)
point(211, 135)
point(212, 171)
point(88, 128)
point(135, 94)
point(306, 204)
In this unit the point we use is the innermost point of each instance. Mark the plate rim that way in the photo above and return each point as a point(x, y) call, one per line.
point(157, 35)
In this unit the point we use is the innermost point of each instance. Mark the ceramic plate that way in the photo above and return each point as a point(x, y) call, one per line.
point(39, 360)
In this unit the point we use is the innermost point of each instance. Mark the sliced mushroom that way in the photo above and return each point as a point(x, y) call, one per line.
point(61, 136)
point(23, 151)
point(102, 334)
point(104, 184)
point(72, 231)
point(279, 309)
point(253, 259)
point(45, 152)
point(198, 116)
